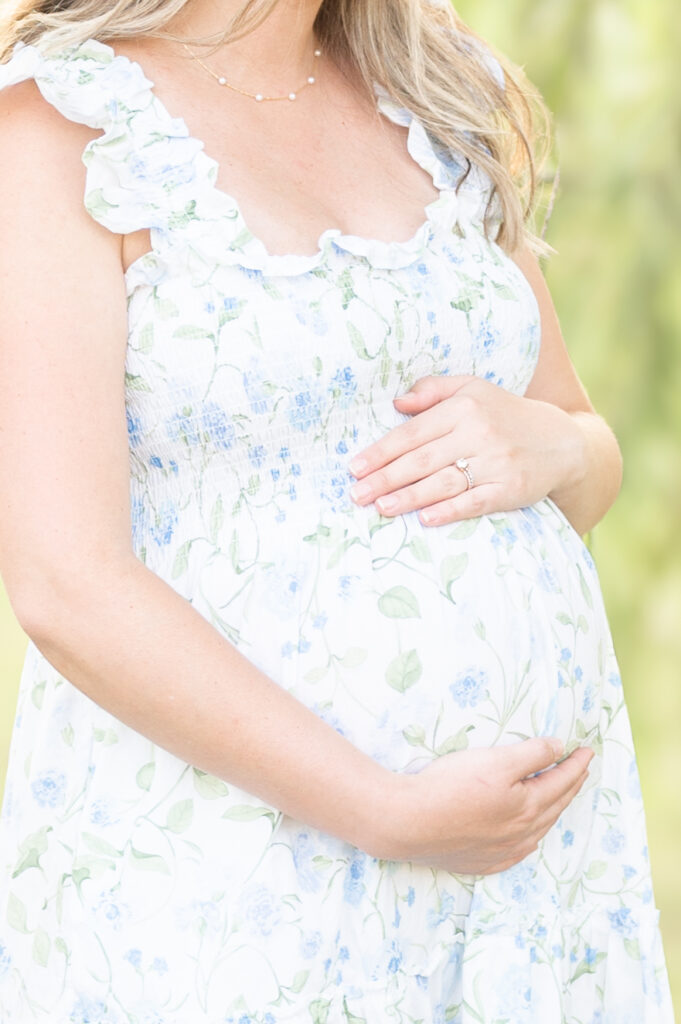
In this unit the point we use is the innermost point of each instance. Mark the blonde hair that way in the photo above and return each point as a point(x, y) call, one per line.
point(474, 102)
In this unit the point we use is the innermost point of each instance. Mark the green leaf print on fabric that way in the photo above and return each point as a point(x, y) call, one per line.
point(399, 603)
point(208, 786)
point(147, 861)
point(404, 671)
point(31, 849)
point(145, 775)
point(244, 812)
point(16, 913)
point(41, 947)
point(452, 568)
point(180, 816)
point(319, 1011)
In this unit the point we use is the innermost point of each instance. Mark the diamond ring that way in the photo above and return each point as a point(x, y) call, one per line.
point(464, 466)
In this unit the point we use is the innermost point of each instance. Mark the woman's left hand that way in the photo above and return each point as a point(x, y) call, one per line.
point(518, 449)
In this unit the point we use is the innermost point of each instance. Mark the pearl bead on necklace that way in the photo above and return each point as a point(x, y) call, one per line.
point(257, 96)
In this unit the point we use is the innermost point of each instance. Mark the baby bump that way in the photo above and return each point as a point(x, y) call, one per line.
point(413, 643)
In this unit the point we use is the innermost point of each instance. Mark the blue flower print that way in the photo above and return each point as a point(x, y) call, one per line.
point(353, 886)
point(88, 1011)
point(589, 696)
point(138, 521)
point(134, 957)
point(546, 578)
point(310, 943)
point(49, 789)
point(257, 455)
point(445, 909)
point(568, 837)
point(256, 392)
point(216, 426)
point(134, 429)
point(487, 340)
point(347, 585)
point(334, 487)
point(470, 688)
point(303, 850)
point(613, 841)
point(395, 961)
point(311, 316)
point(304, 408)
point(101, 813)
point(158, 170)
point(181, 426)
point(261, 909)
point(343, 386)
point(518, 882)
point(111, 912)
point(622, 921)
point(164, 523)
point(514, 996)
point(159, 965)
point(5, 960)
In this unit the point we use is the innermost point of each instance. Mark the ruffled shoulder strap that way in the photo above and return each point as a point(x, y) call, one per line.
point(140, 173)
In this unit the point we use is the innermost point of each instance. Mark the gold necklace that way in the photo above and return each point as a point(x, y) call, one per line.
point(257, 96)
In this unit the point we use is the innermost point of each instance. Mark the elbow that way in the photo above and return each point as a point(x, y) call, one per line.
point(53, 602)
point(35, 605)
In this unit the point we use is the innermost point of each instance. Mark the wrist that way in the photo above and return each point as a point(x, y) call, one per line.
point(573, 454)
point(390, 810)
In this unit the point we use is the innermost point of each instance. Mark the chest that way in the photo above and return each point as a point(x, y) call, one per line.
point(231, 370)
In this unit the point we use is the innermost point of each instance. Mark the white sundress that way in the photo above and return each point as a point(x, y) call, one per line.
point(137, 889)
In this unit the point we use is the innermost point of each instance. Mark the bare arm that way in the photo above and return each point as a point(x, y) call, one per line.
point(121, 634)
point(593, 464)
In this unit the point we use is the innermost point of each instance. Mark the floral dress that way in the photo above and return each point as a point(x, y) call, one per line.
point(137, 889)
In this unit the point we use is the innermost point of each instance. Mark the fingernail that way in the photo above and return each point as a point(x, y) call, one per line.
point(427, 518)
point(360, 491)
point(557, 746)
point(386, 503)
point(357, 466)
point(407, 394)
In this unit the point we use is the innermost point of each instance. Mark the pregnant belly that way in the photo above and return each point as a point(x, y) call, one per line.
point(414, 642)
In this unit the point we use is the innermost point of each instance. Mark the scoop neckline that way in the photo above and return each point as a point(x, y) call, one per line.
point(255, 253)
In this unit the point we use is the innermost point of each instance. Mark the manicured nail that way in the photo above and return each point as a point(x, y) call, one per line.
point(359, 492)
point(427, 518)
point(357, 466)
point(386, 503)
point(557, 746)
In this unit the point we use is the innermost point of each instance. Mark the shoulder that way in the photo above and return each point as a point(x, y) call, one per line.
point(43, 178)
point(74, 121)
point(41, 150)
point(30, 126)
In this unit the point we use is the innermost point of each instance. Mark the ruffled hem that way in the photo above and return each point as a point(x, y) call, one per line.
point(591, 963)
point(147, 171)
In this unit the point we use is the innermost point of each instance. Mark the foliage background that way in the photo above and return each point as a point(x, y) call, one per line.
point(609, 72)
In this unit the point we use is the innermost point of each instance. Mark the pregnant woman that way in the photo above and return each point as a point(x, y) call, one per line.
point(320, 720)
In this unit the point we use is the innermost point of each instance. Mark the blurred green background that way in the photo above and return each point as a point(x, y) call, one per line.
point(609, 70)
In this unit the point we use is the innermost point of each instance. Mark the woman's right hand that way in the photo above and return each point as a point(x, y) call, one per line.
point(481, 811)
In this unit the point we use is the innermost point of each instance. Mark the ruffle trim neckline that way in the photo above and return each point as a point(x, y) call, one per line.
point(147, 171)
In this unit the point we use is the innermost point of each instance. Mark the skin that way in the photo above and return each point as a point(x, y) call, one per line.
point(108, 624)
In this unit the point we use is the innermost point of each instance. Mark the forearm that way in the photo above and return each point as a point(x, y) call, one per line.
point(594, 474)
point(140, 651)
